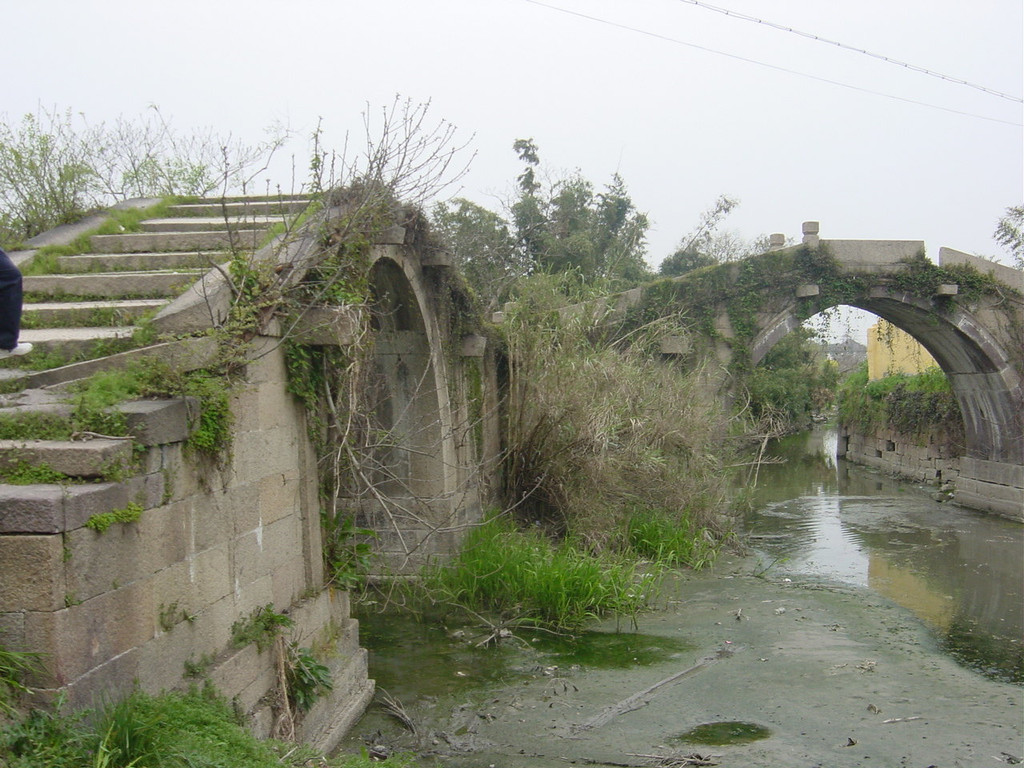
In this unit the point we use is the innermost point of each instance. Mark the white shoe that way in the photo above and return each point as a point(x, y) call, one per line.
point(22, 349)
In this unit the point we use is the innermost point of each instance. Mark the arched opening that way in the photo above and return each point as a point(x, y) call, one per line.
point(403, 388)
point(400, 448)
point(978, 370)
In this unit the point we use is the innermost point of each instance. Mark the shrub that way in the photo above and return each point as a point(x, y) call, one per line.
point(600, 426)
point(793, 382)
point(259, 627)
point(914, 405)
point(54, 168)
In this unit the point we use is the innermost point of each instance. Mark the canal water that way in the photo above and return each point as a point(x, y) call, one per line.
point(960, 572)
point(864, 623)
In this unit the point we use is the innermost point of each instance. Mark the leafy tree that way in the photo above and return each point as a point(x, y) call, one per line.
point(684, 260)
point(483, 248)
point(567, 227)
point(1009, 233)
point(793, 382)
point(706, 245)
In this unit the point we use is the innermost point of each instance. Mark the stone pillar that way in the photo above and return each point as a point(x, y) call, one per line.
point(810, 230)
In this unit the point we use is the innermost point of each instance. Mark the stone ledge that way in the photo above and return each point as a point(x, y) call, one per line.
point(158, 422)
point(1010, 508)
point(88, 458)
point(996, 472)
point(328, 326)
point(330, 718)
point(53, 509)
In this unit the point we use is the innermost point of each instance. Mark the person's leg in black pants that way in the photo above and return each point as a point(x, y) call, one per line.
point(10, 308)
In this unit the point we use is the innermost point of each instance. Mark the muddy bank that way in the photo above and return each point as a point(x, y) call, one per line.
point(834, 675)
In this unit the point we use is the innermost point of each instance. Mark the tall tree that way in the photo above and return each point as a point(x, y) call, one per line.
point(706, 245)
point(483, 248)
point(1010, 233)
point(567, 227)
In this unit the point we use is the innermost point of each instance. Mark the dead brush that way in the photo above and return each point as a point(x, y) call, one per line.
point(599, 427)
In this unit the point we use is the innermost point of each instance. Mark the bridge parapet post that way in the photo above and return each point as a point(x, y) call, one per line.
point(810, 231)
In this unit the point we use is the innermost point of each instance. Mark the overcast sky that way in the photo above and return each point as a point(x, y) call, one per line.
point(685, 102)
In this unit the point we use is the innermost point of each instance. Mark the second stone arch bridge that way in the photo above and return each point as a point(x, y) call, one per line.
point(966, 311)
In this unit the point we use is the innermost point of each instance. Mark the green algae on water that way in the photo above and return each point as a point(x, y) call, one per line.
point(724, 733)
point(611, 650)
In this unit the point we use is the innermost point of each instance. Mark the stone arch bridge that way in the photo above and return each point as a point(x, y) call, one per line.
point(966, 311)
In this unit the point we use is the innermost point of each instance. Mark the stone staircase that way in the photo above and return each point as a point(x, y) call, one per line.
point(94, 312)
point(83, 317)
point(102, 296)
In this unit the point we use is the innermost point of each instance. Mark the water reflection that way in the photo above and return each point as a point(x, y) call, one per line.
point(959, 571)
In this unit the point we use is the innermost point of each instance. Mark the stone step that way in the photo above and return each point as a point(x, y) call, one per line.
point(135, 242)
point(29, 405)
point(255, 206)
point(68, 343)
point(78, 458)
point(55, 508)
point(331, 717)
point(11, 378)
point(209, 224)
point(139, 262)
point(185, 355)
point(72, 314)
point(113, 285)
point(148, 421)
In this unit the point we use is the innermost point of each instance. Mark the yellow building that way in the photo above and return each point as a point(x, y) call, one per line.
point(891, 350)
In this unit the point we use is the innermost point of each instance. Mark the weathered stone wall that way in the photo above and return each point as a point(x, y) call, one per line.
point(140, 600)
point(990, 486)
point(926, 460)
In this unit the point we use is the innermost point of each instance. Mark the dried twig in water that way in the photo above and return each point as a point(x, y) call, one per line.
point(641, 698)
point(677, 761)
point(394, 707)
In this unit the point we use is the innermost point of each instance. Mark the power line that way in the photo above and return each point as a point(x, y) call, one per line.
point(776, 67)
point(844, 46)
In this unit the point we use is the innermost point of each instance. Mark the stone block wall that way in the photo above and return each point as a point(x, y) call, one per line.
point(933, 462)
point(988, 486)
point(139, 601)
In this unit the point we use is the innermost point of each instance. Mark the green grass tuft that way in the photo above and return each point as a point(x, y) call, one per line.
point(671, 540)
point(523, 577)
point(21, 472)
point(103, 520)
point(259, 627)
